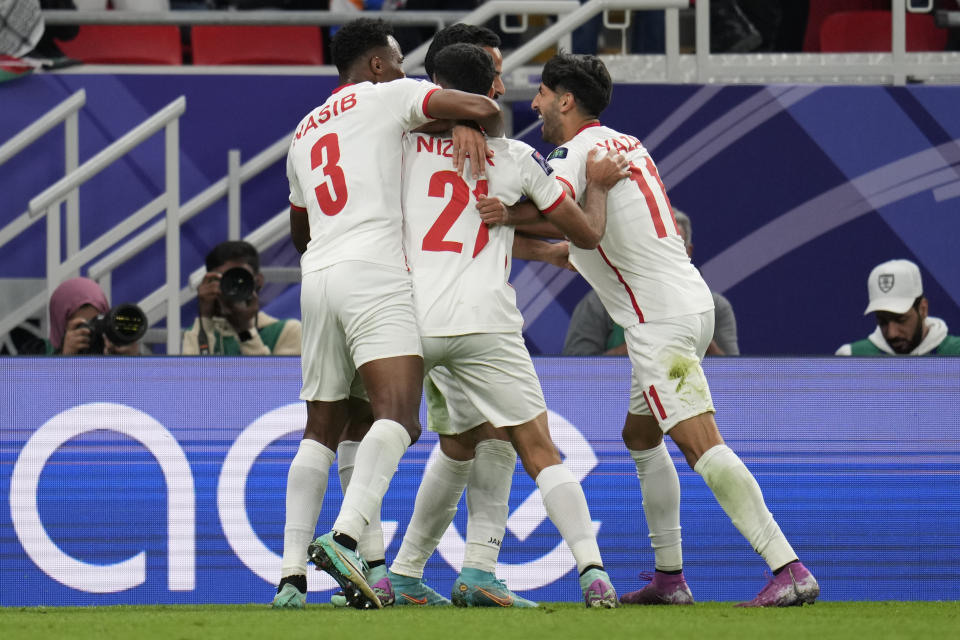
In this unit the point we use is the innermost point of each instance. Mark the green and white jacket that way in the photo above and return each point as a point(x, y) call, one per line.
point(937, 342)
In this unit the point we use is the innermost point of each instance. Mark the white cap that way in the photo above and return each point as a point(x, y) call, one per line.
point(894, 286)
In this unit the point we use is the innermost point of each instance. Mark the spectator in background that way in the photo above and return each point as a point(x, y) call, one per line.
point(230, 322)
point(73, 305)
point(904, 327)
point(593, 332)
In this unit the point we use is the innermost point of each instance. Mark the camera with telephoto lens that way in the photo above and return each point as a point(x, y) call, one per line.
point(237, 285)
point(122, 325)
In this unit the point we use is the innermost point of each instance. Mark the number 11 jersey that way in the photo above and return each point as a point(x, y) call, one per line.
point(344, 167)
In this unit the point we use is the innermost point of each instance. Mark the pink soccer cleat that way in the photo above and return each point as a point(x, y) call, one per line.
point(792, 587)
point(663, 588)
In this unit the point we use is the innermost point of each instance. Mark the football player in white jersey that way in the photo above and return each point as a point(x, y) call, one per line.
point(645, 280)
point(470, 324)
point(358, 317)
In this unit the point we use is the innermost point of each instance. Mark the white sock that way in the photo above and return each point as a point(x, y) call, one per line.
point(567, 507)
point(377, 459)
point(370, 544)
point(433, 511)
point(739, 494)
point(306, 485)
point(660, 487)
point(488, 498)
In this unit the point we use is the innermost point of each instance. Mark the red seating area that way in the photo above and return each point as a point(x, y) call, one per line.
point(848, 26)
point(209, 45)
point(125, 44)
point(853, 31)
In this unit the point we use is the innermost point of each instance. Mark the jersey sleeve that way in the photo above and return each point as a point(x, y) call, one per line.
point(407, 100)
point(568, 165)
point(538, 182)
point(296, 193)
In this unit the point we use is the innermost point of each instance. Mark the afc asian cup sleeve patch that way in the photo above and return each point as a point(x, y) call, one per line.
point(559, 152)
point(547, 169)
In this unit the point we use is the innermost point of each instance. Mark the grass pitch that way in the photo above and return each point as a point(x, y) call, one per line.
point(553, 621)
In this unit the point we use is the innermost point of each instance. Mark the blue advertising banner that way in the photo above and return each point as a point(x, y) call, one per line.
point(161, 480)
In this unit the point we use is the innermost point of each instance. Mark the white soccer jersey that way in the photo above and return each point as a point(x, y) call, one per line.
point(344, 170)
point(641, 270)
point(460, 266)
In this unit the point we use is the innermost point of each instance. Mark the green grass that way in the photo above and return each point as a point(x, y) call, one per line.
point(707, 621)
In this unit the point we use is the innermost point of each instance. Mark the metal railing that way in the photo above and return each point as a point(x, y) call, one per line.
point(47, 205)
point(65, 112)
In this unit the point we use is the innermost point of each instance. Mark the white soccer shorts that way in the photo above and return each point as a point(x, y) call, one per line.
point(483, 377)
point(668, 381)
point(352, 313)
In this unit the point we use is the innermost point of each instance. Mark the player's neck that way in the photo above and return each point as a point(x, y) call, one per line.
point(575, 125)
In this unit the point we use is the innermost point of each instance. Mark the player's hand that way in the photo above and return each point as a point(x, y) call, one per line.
point(492, 211)
point(208, 295)
point(76, 339)
point(468, 142)
point(558, 254)
point(606, 169)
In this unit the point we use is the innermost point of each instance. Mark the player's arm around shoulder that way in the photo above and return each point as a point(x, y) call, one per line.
point(585, 227)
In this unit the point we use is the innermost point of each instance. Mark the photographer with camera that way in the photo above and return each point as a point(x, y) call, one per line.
point(83, 323)
point(229, 321)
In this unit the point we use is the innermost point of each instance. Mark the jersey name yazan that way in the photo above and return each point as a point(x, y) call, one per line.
point(344, 169)
point(641, 270)
point(460, 266)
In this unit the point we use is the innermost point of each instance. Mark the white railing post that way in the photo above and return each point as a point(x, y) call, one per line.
point(71, 143)
point(672, 44)
point(172, 139)
point(233, 194)
point(899, 26)
point(702, 39)
point(53, 259)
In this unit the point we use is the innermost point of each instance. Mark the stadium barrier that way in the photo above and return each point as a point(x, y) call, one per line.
point(162, 480)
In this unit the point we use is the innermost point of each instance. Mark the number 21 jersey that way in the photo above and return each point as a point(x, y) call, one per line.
point(344, 167)
point(460, 266)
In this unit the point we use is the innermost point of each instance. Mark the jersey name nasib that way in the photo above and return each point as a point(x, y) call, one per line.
point(641, 270)
point(344, 167)
point(460, 266)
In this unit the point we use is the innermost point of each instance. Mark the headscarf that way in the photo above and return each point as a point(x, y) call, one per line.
point(67, 298)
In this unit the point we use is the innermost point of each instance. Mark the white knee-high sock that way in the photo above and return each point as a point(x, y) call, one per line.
point(306, 485)
point(739, 494)
point(370, 544)
point(488, 502)
point(377, 458)
point(433, 511)
point(660, 487)
point(567, 507)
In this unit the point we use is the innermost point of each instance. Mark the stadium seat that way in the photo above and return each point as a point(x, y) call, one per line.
point(818, 10)
point(125, 44)
point(256, 45)
point(853, 31)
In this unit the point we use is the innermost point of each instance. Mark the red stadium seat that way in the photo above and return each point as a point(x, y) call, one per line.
point(125, 44)
point(256, 45)
point(852, 31)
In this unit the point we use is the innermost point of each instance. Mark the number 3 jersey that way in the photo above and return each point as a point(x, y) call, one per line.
point(460, 266)
point(641, 270)
point(344, 168)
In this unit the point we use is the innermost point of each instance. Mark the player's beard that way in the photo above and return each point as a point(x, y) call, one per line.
point(904, 347)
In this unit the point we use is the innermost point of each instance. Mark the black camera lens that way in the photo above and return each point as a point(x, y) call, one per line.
point(124, 324)
point(236, 285)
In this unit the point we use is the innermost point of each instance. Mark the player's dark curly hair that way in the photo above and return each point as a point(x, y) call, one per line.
point(233, 250)
point(466, 67)
point(356, 38)
point(586, 77)
point(458, 33)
